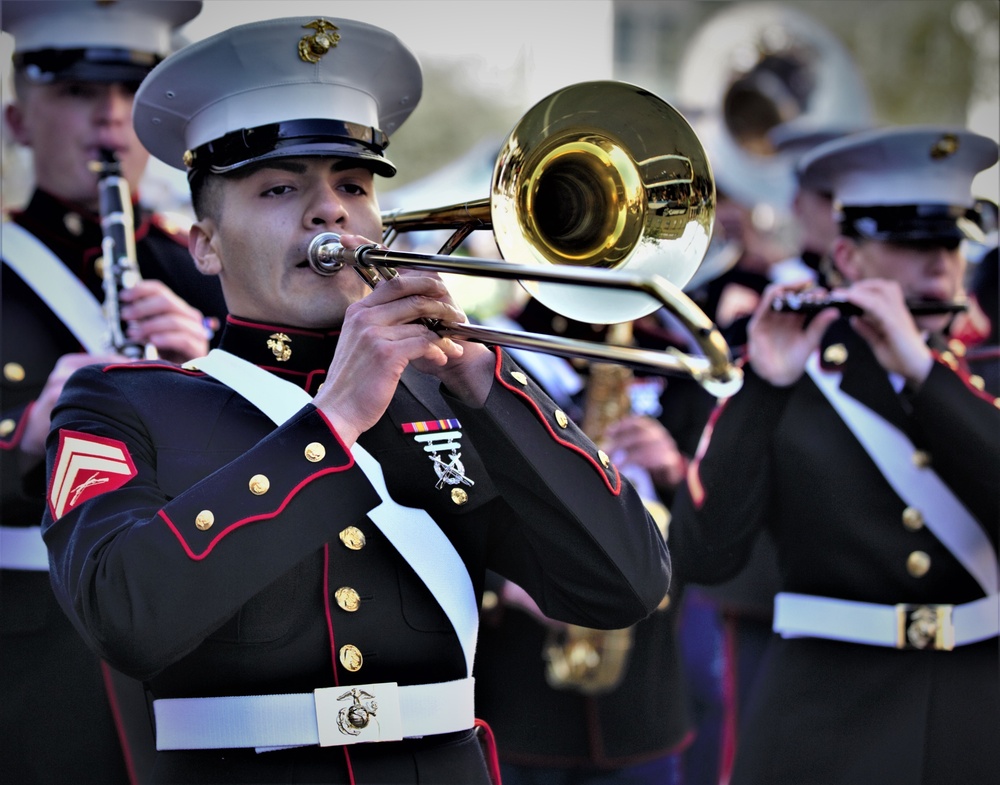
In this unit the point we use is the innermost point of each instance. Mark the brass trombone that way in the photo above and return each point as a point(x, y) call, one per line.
point(610, 222)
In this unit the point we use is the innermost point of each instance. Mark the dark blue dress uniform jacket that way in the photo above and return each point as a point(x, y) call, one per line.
point(246, 606)
point(826, 711)
point(57, 725)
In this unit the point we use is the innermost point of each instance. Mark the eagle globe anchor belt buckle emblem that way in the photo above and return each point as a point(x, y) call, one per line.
point(353, 719)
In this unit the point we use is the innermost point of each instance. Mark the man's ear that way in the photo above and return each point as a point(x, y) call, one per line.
point(202, 245)
point(14, 116)
point(845, 255)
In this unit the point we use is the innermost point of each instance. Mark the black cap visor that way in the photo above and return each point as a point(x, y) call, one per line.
point(293, 139)
point(98, 64)
point(924, 223)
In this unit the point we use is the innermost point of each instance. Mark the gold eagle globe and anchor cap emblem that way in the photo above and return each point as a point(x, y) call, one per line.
point(313, 47)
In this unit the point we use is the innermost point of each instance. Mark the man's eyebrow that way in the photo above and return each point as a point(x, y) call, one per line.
point(284, 165)
point(298, 166)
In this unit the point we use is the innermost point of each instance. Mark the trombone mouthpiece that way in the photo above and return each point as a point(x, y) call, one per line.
point(325, 253)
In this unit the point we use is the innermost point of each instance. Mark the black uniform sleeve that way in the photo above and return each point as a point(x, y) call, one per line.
point(146, 575)
point(961, 428)
point(578, 538)
point(724, 504)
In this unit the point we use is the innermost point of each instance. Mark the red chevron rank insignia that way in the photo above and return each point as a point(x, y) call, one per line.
point(87, 466)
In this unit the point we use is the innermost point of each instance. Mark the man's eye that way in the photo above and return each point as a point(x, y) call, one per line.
point(277, 190)
point(354, 189)
point(77, 90)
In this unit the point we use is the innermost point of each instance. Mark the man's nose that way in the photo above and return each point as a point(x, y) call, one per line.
point(326, 208)
point(941, 258)
point(114, 105)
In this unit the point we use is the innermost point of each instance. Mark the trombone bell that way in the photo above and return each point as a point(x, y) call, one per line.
point(635, 193)
point(602, 224)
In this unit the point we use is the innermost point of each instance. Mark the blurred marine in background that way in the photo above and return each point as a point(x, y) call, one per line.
point(76, 69)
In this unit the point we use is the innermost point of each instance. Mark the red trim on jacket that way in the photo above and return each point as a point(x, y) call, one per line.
point(615, 488)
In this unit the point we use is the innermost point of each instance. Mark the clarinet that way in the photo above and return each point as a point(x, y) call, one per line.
point(120, 266)
point(811, 304)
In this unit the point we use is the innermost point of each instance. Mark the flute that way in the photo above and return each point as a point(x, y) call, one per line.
point(811, 304)
point(120, 265)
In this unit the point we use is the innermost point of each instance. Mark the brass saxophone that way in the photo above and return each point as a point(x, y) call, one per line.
point(120, 267)
point(589, 661)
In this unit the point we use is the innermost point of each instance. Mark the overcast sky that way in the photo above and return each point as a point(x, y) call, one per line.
point(552, 42)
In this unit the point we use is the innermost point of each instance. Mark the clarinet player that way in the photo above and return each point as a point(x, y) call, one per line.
point(75, 71)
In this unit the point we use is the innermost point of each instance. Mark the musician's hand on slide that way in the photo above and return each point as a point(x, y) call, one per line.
point(156, 315)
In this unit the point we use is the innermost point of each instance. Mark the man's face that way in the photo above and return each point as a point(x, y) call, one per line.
point(816, 221)
point(924, 270)
point(258, 237)
point(66, 124)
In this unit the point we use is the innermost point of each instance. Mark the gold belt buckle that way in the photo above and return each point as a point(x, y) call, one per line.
point(925, 627)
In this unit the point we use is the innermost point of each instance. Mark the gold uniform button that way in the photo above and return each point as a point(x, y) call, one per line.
point(74, 225)
point(519, 377)
point(949, 359)
point(918, 564)
point(603, 458)
point(957, 347)
point(913, 519)
point(459, 496)
point(7, 427)
point(259, 485)
point(353, 538)
point(350, 658)
point(921, 459)
point(977, 381)
point(315, 452)
point(205, 520)
point(835, 354)
point(13, 372)
point(348, 599)
point(490, 601)
point(561, 419)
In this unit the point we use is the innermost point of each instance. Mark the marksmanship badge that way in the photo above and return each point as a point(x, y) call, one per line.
point(441, 436)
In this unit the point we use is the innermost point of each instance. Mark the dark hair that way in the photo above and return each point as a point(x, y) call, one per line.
point(206, 190)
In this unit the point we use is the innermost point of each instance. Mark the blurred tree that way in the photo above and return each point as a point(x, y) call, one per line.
point(451, 118)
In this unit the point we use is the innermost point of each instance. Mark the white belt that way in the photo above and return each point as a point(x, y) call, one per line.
point(22, 548)
point(903, 626)
point(328, 716)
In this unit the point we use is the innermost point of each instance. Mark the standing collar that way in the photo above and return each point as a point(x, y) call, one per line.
point(299, 355)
